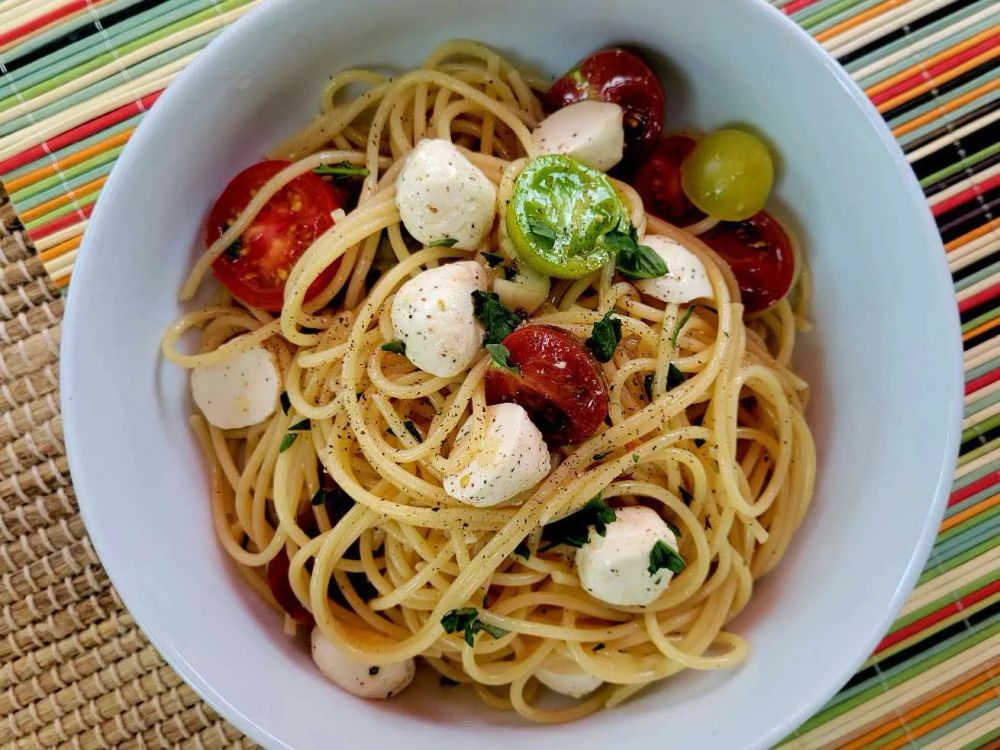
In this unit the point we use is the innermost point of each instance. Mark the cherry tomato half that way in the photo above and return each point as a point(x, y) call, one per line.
point(614, 75)
point(761, 256)
point(256, 267)
point(658, 182)
point(560, 383)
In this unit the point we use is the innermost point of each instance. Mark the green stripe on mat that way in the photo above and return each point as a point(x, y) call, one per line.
point(981, 742)
point(966, 163)
point(935, 569)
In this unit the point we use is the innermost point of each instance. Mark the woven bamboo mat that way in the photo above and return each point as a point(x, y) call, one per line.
point(76, 76)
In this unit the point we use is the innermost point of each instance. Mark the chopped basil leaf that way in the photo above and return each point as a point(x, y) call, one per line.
point(498, 320)
point(443, 242)
point(509, 272)
point(286, 441)
point(319, 498)
point(647, 386)
point(598, 457)
point(286, 403)
point(598, 647)
point(686, 496)
point(681, 323)
point(674, 376)
point(493, 259)
point(412, 429)
point(466, 620)
point(300, 426)
point(635, 458)
point(677, 532)
point(395, 346)
point(634, 260)
point(604, 337)
point(522, 550)
point(574, 529)
point(698, 442)
point(343, 169)
point(500, 355)
point(234, 248)
point(664, 556)
point(542, 231)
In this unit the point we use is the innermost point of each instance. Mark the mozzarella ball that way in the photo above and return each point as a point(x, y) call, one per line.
point(512, 458)
point(615, 567)
point(240, 391)
point(364, 680)
point(433, 316)
point(526, 291)
point(589, 131)
point(566, 677)
point(442, 196)
point(686, 278)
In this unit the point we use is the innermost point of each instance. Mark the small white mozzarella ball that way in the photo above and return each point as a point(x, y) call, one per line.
point(566, 677)
point(615, 568)
point(364, 680)
point(240, 391)
point(443, 196)
point(434, 316)
point(526, 291)
point(589, 131)
point(686, 278)
point(512, 458)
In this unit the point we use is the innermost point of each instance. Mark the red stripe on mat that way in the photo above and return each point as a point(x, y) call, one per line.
point(973, 487)
point(796, 5)
point(982, 381)
point(61, 223)
point(979, 298)
point(966, 195)
point(79, 132)
point(935, 70)
point(43, 20)
point(925, 622)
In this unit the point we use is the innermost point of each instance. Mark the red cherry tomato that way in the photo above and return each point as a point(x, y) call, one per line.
point(560, 383)
point(255, 269)
point(277, 580)
point(614, 75)
point(761, 256)
point(658, 182)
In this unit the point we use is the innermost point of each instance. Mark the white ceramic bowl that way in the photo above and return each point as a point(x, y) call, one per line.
point(884, 362)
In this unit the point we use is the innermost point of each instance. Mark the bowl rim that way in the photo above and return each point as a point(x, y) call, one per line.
point(222, 48)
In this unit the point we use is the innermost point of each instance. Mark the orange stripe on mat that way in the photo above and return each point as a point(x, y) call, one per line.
point(80, 156)
point(63, 247)
point(969, 512)
point(63, 200)
point(909, 72)
point(973, 235)
point(916, 712)
point(859, 19)
point(931, 83)
point(939, 721)
point(987, 326)
point(944, 109)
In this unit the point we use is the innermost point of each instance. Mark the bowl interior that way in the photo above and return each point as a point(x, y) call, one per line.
point(883, 360)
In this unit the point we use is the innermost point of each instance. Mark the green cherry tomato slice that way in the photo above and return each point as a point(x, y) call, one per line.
point(558, 216)
point(728, 175)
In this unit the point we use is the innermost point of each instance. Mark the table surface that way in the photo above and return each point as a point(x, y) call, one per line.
point(76, 76)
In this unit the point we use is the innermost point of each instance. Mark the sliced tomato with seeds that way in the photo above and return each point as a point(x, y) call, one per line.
point(618, 76)
point(255, 267)
point(658, 182)
point(559, 383)
point(761, 256)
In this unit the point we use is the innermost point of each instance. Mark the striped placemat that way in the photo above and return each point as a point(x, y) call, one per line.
point(77, 76)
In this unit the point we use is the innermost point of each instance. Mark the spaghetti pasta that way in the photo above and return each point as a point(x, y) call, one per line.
point(345, 484)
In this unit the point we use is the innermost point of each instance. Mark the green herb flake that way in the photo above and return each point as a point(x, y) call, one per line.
point(341, 170)
point(493, 259)
point(395, 346)
point(443, 242)
point(300, 426)
point(681, 323)
point(674, 376)
point(522, 550)
point(634, 260)
point(674, 529)
point(598, 647)
point(466, 621)
point(412, 429)
point(598, 456)
point(234, 249)
point(664, 556)
point(286, 441)
point(605, 336)
point(543, 232)
point(635, 458)
point(500, 355)
point(286, 403)
point(498, 320)
point(509, 272)
point(574, 529)
point(319, 498)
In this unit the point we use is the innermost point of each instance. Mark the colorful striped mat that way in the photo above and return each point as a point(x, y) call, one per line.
point(77, 76)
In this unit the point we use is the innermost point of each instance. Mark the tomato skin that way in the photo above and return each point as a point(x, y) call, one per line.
point(658, 182)
point(277, 580)
point(761, 256)
point(277, 237)
point(560, 384)
point(615, 75)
